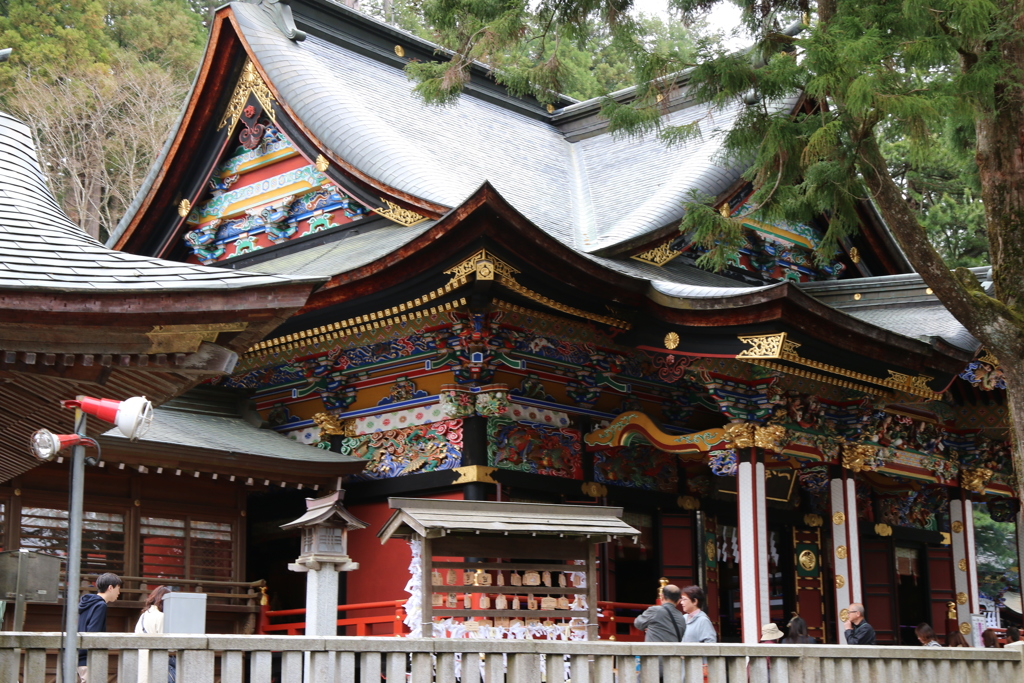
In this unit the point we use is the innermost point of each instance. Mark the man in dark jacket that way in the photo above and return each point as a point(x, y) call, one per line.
point(92, 613)
point(858, 631)
point(663, 623)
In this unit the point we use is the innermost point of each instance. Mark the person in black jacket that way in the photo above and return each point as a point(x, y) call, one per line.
point(92, 613)
point(858, 631)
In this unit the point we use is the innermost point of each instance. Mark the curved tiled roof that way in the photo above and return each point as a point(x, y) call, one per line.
point(42, 249)
point(590, 194)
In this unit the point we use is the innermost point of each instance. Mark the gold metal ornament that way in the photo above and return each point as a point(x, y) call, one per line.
point(840, 581)
point(594, 489)
point(844, 614)
point(961, 598)
point(965, 628)
point(321, 163)
point(841, 552)
point(957, 526)
point(399, 50)
point(962, 564)
point(883, 529)
point(763, 346)
point(659, 255)
point(671, 340)
point(808, 560)
point(550, 108)
point(813, 520)
point(184, 207)
point(709, 549)
point(856, 456)
point(838, 518)
point(854, 255)
point(688, 503)
point(771, 437)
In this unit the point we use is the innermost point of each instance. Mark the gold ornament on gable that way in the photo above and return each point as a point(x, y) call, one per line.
point(184, 207)
point(249, 82)
point(763, 346)
point(671, 340)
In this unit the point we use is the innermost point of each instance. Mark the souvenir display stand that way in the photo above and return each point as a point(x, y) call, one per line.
point(526, 569)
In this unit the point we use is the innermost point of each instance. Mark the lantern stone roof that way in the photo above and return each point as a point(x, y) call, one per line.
point(326, 509)
point(432, 518)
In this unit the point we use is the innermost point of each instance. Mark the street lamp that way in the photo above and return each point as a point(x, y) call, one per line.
point(132, 418)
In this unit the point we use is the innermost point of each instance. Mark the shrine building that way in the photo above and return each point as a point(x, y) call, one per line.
point(509, 313)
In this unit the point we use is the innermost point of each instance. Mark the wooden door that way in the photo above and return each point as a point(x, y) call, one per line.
point(879, 585)
point(941, 588)
point(678, 550)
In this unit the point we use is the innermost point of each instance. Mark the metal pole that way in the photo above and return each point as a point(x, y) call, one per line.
point(74, 573)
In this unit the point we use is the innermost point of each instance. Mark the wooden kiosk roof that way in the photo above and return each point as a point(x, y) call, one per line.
point(434, 518)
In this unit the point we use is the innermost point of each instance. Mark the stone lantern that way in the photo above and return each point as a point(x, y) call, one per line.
point(325, 528)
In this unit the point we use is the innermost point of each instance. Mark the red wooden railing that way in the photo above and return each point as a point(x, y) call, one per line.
point(615, 622)
point(364, 623)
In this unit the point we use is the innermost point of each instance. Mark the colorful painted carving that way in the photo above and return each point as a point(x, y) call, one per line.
point(916, 509)
point(397, 452)
point(984, 376)
point(723, 463)
point(639, 466)
point(1003, 509)
point(534, 448)
point(202, 242)
point(404, 389)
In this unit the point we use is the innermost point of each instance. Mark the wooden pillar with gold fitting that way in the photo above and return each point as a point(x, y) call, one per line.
point(845, 547)
point(965, 567)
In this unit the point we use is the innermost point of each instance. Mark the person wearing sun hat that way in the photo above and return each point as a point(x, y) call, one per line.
point(770, 633)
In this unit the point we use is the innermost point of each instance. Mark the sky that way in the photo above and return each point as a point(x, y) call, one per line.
point(724, 17)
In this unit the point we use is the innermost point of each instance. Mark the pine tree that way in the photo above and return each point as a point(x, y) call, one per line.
point(870, 71)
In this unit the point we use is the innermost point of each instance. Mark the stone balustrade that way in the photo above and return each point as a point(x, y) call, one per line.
point(31, 658)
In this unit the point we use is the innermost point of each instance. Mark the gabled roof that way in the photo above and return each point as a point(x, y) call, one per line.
point(78, 318)
point(431, 518)
point(589, 194)
point(41, 249)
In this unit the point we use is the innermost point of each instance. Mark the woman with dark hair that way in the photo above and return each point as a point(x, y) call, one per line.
point(796, 632)
point(990, 638)
point(926, 634)
point(956, 639)
point(152, 622)
point(698, 627)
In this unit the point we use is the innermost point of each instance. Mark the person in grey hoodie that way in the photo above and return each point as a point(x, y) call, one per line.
point(92, 613)
point(663, 623)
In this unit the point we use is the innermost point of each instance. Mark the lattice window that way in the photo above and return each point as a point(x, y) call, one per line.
point(163, 547)
point(46, 530)
point(187, 549)
point(212, 551)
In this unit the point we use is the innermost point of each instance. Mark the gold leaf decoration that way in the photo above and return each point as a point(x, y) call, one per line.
point(808, 560)
point(249, 82)
point(659, 255)
point(965, 628)
point(184, 207)
point(957, 526)
point(838, 518)
point(688, 503)
point(961, 598)
point(812, 520)
point(841, 552)
point(399, 215)
point(763, 346)
point(975, 479)
point(856, 456)
point(321, 163)
point(840, 581)
point(671, 340)
point(883, 529)
point(740, 434)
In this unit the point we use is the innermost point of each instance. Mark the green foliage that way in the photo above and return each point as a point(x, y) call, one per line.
point(998, 571)
point(99, 82)
point(917, 76)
